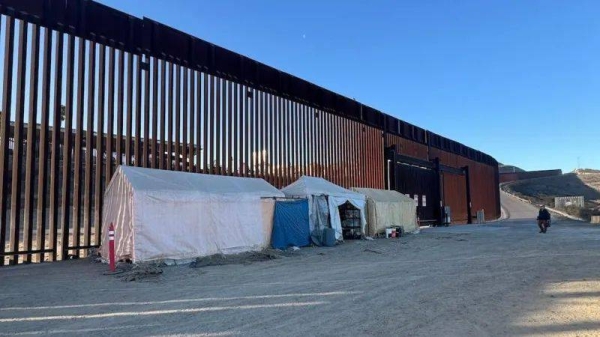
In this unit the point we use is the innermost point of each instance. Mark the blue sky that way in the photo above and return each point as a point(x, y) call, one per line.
point(519, 80)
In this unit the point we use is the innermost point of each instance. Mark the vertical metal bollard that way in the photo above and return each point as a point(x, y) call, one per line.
point(111, 247)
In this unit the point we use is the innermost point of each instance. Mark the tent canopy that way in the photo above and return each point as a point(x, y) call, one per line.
point(312, 187)
point(387, 208)
point(167, 215)
point(151, 180)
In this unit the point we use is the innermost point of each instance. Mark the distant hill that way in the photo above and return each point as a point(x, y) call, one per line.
point(509, 168)
point(584, 183)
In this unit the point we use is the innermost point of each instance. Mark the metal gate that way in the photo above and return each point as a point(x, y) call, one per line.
point(433, 186)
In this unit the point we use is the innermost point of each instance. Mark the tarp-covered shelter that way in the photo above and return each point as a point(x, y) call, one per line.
point(167, 215)
point(290, 224)
point(386, 208)
point(324, 198)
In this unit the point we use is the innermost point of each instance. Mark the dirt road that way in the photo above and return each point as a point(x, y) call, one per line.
point(501, 279)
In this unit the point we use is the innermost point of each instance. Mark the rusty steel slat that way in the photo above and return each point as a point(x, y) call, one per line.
point(137, 146)
point(192, 164)
point(223, 128)
point(31, 141)
point(283, 134)
point(243, 133)
point(155, 113)
point(129, 126)
point(177, 117)
point(347, 151)
point(98, 190)
point(120, 107)
point(339, 151)
point(333, 136)
point(163, 114)
point(353, 139)
point(309, 141)
point(264, 135)
point(206, 107)
point(42, 214)
point(251, 102)
point(229, 129)
point(5, 130)
point(55, 156)
point(199, 145)
point(110, 117)
point(66, 151)
point(342, 150)
point(146, 119)
point(267, 138)
point(304, 140)
point(292, 142)
point(297, 141)
point(236, 129)
point(89, 145)
point(15, 205)
point(335, 168)
point(171, 89)
point(184, 114)
point(217, 127)
point(322, 143)
point(272, 147)
point(159, 114)
point(288, 143)
point(79, 107)
point(280, 141)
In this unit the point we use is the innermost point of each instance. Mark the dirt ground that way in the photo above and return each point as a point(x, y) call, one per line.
point(498, 279)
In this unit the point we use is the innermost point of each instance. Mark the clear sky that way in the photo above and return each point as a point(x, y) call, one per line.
point(519, 80)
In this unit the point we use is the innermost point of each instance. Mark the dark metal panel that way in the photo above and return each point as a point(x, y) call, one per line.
point(67, 148)
point(43, 174)
point(55, 158)
point(100, 130)
point(77, 180)
point(89, 145)
point(31, 142)
point(18, 140)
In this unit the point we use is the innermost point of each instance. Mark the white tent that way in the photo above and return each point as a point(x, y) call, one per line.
point(387, 208)
point(317, 190)
point(166, 215)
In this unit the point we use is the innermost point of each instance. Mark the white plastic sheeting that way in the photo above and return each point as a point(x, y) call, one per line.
point(166, 215)
point(312, 187)
point(387, 208)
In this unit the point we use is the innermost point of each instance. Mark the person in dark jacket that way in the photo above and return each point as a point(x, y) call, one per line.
point(543, 219)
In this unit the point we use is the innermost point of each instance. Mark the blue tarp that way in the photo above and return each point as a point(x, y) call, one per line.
point(290, 224)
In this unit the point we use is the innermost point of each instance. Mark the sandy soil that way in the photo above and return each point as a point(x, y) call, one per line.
point(501, 279)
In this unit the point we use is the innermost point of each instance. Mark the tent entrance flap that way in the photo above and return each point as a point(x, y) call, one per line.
point(350, 219)
point(290, 224)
